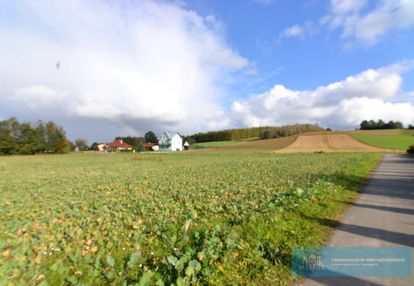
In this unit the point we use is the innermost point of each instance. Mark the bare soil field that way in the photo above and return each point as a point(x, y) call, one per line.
point(267, 145)
point(328, 143)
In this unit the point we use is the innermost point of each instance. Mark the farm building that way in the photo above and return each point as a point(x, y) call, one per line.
point(119, 146)
point(151, 146)
point(101, 147)
point(170, 141)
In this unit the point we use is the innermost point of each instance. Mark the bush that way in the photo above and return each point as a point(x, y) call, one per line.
point(410, 150)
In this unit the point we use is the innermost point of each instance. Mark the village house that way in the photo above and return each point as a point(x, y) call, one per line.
point(119, 146)
point(170, 141)
point(151, 146)
point(101, 147)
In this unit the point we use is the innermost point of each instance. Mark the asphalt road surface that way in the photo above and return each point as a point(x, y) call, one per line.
point(383, 216)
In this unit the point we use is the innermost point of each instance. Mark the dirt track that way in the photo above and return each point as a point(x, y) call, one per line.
point(328, 143)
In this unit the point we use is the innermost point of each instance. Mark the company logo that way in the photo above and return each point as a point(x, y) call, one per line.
point(312, 263)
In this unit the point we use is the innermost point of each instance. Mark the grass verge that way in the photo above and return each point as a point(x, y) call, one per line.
point(400, 142)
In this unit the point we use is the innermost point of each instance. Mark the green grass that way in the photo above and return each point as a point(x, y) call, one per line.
point(408, 132)
point(184, 218)
point(386, 141)
point(396, 132)
point(215, 144)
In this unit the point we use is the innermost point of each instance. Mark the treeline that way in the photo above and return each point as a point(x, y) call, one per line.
point(25, 138)
point(254, 132)
point(230, 134)
point(289, 130)
point(380, 124)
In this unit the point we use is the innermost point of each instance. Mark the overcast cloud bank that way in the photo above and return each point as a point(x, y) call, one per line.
point(101, 70)
point(151, 63)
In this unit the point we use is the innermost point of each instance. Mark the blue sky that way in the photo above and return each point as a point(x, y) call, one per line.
point(126, 67)
point(255, 29)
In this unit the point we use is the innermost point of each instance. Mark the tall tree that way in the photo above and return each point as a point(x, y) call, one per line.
point(151, 137)
point(27, 139)
point(56, 141)
point(81, 144)
point(8, 144)
point(94, 146)
point(40, 139)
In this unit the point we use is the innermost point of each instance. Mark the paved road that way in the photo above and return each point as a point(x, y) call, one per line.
point(383, 216)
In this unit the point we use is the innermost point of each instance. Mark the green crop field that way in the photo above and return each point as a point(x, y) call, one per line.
point(168, 219)
point(215, 144)
point(408, 132)
point(386, 141)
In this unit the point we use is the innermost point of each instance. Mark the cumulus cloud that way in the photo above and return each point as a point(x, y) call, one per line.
point(131, 63)
point(299, 31)
point(37, 96)
point(343, 104)
point(358, 22)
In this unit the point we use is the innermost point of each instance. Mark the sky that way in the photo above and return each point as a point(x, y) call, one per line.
point(106, 68)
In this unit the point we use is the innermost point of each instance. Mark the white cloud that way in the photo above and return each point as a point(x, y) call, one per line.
point(358, 22)
point(299, 31)
point(38, 96)
point(146, 61)
point(361, 21)
point(347, 6)
point(293, 31)
point(342, 104)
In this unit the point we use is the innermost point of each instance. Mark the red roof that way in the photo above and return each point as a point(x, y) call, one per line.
point(119, 144)
point(149, 145)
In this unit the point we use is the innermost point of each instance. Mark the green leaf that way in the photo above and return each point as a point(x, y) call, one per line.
point(172, 260)
point(110, 260)
point(146, 278)
point(160, 282)
point(193, 267)
point(299, 192)
point(180, 282)
point(135, 256)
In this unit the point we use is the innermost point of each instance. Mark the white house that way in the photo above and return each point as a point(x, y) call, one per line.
point(170, 141)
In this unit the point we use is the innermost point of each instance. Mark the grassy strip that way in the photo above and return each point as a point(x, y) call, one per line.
point(389, 132)
point(400, 142)
point(214, 144)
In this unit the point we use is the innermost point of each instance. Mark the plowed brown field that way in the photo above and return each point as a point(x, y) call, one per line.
point(328, 143)
point(260, 146)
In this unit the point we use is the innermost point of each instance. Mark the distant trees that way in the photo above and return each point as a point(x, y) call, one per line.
point(227, 135)
point(151, 137)
point(254, 132)
point(94, 146)
point(410, 126)
point(23, 138)
point(81, 144)
point(189, 139)
point(289, 130)
point(380, 124)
